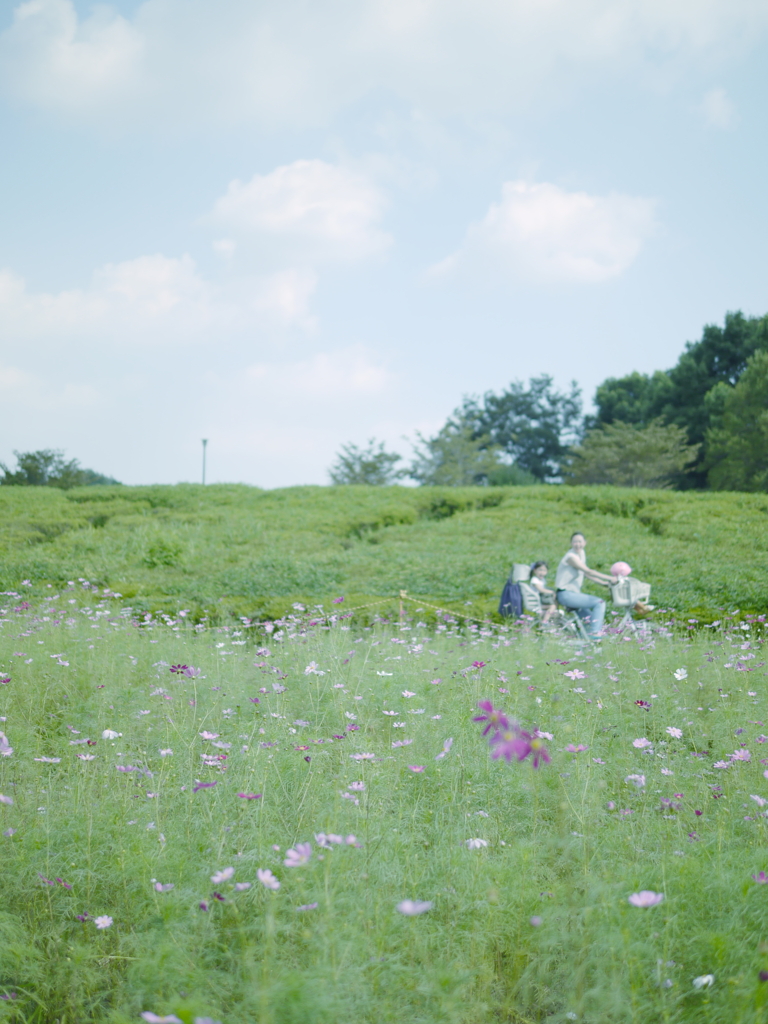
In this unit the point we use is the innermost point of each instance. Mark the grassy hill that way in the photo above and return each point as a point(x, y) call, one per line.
point(233, 549)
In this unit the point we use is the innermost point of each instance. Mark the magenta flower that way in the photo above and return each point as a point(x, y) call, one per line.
point(178, 668)
point(645, 898)
point(203, 785)
point(576, 748)
point(495, 718)
point(416, 768)
point(478, 664)
point(760, 878)
point(338, 600)
point(249, 796)
point(519, 744)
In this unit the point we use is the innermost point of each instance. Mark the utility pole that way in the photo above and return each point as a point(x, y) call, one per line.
point(205, 445)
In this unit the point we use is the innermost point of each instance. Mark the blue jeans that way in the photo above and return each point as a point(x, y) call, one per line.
point(589, 608)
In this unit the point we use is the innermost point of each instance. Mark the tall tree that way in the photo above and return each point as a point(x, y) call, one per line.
point(534, 426)
point(455, 457)
point(679, 395)
point(737, 443)
point(372, 465)
point(629, 456)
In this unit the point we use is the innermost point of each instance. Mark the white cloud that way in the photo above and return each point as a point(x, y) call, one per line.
point(154, 300)
point(344, 373)
point(718, 110)
point(317, 210)
point(285, 62)
point(51, 59)
point(541, 232)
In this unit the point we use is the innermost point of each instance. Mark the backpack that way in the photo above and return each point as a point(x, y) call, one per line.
point(511, 603)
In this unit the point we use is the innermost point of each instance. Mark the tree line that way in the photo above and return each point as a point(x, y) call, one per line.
point(47, 468)
point(701, 424)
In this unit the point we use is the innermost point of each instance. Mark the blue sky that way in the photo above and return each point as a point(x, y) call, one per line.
point(288, 225)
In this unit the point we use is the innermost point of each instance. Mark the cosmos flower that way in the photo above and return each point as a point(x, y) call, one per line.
point(676, 734)
point(494, 717)
point(704, 981)
point(222, 876)
point(476, 844)
point(298, 855)
point(110, 734)
point(680, 674)
point(635, 780)
point(645, 898)
point(102, 922)
point(641, 743)
point(575, 673)
point(412, 908)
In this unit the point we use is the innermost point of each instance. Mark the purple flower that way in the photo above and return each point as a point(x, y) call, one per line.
point(336, 600)
point(298, 855)
point(309, 906)
point(761, 878)
point(495, 718)
point(478, 664)
point(203, 785)
point(519, 744)
point(267, 879)
point(575, 748)
point(250, 796)
point(179, 668)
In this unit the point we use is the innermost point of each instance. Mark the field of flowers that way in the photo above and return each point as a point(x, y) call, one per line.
point(316, 821)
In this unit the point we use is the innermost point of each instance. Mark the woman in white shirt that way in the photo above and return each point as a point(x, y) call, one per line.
point(568, 582)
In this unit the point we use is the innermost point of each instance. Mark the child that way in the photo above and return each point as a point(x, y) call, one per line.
point(538, 576)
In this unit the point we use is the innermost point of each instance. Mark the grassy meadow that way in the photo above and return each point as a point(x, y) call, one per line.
point(222, 550)
point(291, 817)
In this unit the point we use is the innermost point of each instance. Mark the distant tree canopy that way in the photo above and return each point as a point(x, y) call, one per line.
point(533, 426)
point(630, 456)
point(371, 465)
point(454, 457)
point(737, 441)
point(683, 395)
point(47, 468)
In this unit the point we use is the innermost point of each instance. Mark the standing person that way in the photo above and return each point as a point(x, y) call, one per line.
point(568, 582)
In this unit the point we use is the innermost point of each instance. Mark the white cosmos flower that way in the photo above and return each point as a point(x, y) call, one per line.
point(267, 879)
point(411, 908)
point(222, 876)
point(681, 674)
point(476, 844)
point(704, 981)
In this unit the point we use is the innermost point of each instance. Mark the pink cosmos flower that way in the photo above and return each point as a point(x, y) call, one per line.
point(416, 768)
point(209, 735)
point(575, 748)
point(760, 878)
point(307, 906)
point(575, 673)
point(8, 800)
point(357, 786)
point(741, 755)
point(412, 908)
point(494, 717)
point(267, 879)
point(478, 664)
point(642, 743)
point(105, 921)
point(159, 887)
point(645, 898)
point(222, 876)
point(152, 1018)
point(636, 780)
point(676, 734)
point(408, 693)
point(203, 785)
point(48, 760)
point(298, 855)
point(249, 796)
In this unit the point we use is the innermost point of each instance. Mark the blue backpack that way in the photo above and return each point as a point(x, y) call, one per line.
point(511, 603)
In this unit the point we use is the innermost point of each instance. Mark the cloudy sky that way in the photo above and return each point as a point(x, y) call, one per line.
point(288, 224)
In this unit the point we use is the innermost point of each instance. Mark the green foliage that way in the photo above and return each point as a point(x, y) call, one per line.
point(737, 445)
point(566, 845)
point(681, 395)
point(455, 457)
point(534, 426)
point(231, 550)
point(373, 465)
point(630, 456)
point(47, 468)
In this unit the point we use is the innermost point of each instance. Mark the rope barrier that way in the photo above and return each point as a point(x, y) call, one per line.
point(404, 596)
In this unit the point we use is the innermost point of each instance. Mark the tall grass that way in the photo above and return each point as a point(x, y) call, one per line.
point(566, 844)
point(233, 550)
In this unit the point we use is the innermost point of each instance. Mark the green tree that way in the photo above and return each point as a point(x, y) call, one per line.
point(47, 468)
point(737, 443)
point(630, 456)
point(679, 395)
point(455, 457)
point(371, 465)
point(534, 426)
